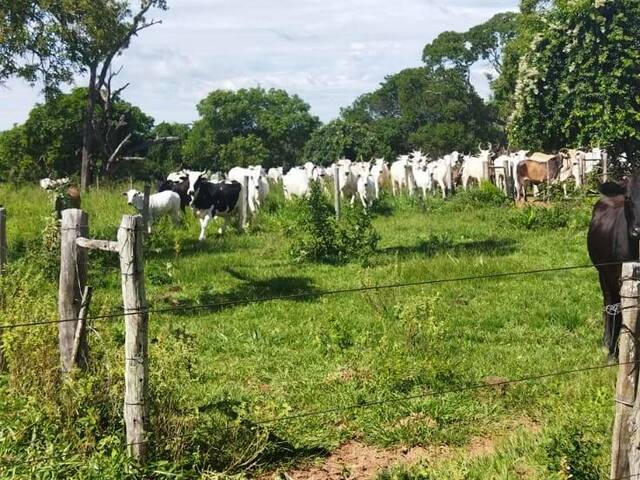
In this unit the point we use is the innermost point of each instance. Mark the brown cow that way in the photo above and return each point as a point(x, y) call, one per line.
point(538, 168)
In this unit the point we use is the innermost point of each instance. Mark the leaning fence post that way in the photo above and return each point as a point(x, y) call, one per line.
point(73, 279)
point(336, 190)
point(627, 381)
point(3, 239)
point(130, 245)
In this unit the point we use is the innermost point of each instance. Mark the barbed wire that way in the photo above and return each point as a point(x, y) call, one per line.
point(309, 294)
point(369, 404)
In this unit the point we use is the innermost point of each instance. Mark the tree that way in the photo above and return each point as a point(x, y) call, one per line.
point(164, 157)
point(50, 141)
point(435, 110)
point(249, 126)
point(50, 40)
point(578, 85)
point(342, 139)
point(449, 50)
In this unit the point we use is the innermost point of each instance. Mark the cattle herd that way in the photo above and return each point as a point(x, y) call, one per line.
point(217, 194)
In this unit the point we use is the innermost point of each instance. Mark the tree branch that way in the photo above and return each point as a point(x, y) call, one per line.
point(116, 152)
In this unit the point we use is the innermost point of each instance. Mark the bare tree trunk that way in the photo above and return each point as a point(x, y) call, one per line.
point(88, 134)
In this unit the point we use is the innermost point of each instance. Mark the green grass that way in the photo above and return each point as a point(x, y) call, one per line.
point(249, 363)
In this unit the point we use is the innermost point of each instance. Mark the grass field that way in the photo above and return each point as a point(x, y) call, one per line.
point(218, 376)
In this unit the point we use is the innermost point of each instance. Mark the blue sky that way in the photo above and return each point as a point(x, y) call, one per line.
point(327, 51)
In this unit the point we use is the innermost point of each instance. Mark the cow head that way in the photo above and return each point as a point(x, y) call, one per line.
point(195, 180)
point(135, 198)
point(629, 187)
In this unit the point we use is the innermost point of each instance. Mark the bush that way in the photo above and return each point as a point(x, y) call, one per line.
point(486, 195)
point(321, 238)
point(533, 218)
point(571, 455)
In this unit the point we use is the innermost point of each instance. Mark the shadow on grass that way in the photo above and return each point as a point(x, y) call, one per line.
point(276, 451)
point(251, 290)
point(435, 245)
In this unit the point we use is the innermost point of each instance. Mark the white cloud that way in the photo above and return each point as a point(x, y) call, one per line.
point(326, 51)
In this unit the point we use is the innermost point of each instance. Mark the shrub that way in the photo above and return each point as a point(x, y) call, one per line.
point(533, 218)
point(486, 195)
point(571, 455)
point(321, 238)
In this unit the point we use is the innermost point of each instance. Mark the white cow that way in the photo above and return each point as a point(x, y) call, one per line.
point(442, 173)
point(348, 183)
point(472, 167)
point(366, 186)
point(399, 174)
point(380, 173)
point(275, 175)
point(161, 203)
point(422, 176)
point(296, 183)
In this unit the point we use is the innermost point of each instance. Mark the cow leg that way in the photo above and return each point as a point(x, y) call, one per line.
point(204, 223)
point(223, 229)
point(609, 283)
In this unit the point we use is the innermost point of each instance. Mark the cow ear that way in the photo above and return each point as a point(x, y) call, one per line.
point(612, 189)
point(124, 193)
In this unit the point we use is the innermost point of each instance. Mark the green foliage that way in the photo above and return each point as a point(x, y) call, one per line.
point(249, 126)
point(571, 454)
point(49, 143)
point(165, 157)
point(435, 110)
point(343, 139)
point(578, 83)
point(486, 195)
point(322, 239)
point(533, 218)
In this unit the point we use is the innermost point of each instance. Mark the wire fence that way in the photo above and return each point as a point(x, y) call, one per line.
point(310, 294)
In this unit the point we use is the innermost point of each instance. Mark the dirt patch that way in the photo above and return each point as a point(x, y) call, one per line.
point(357, 461)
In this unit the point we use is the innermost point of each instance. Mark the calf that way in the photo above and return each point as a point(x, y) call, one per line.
point(613, 237)
point(366, 186)
point(162, 203)
point(213, 199)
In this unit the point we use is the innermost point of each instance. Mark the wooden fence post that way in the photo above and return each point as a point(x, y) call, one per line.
point(407, 179)
point(605, 165)
point(73, 279)
point(244, 204)
point(627, 381)
point(336, 190)
point(3, 239)
point(3, 262)
point(145, 209)
point(486, 171)
point(508, 179)
point(130, 244)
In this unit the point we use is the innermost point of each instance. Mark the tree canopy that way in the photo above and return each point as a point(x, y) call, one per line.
point(435, 110)
point(578, 83)
point(249, 126)
point(50, 140)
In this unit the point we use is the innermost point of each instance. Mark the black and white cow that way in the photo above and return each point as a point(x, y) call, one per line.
point(209, 200)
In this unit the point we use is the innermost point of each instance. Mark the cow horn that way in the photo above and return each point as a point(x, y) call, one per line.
point(480, 146)
point(490, 146)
